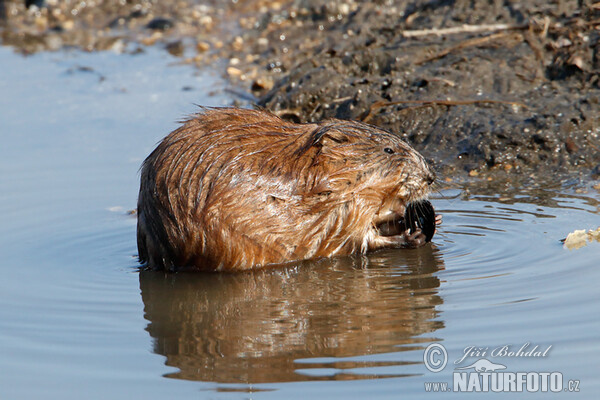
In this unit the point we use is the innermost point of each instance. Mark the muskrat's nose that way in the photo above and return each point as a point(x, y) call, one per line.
point(430, 177)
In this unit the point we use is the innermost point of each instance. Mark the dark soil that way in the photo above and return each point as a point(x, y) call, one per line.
point(520, 97)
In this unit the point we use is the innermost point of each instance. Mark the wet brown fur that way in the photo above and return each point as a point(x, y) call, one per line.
point(234, 189)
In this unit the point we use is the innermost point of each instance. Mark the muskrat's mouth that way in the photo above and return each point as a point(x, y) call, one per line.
point(416, 215)
point(392, 226)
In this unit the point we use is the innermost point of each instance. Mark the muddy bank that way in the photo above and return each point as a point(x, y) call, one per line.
point(490, 87)
point(521, 96)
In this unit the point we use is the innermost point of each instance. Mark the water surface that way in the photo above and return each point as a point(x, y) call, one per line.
point(77, 319)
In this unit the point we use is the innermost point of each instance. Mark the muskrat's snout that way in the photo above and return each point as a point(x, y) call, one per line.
point(430, 177)
point(425, 168)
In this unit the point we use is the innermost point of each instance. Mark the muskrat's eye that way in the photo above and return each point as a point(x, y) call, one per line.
point(389, 150)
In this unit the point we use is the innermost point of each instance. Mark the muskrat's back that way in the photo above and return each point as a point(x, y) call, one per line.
point(234, 189)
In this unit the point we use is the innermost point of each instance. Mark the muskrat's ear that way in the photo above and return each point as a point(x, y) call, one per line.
point(334, 136)
point(322, 136)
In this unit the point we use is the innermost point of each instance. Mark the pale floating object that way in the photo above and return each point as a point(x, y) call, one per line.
point(580, 238)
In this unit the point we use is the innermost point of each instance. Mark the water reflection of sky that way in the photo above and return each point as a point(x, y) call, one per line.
point(78, 321)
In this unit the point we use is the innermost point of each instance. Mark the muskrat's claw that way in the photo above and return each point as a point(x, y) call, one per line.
point(415, 239)
point(409, 240)
point(438, 221)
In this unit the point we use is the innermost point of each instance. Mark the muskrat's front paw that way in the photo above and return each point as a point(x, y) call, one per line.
point(410, 240)
point(415, 239)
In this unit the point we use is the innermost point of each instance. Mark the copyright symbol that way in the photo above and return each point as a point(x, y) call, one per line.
point(435, 357)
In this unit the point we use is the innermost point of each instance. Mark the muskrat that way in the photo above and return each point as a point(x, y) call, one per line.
point(235, 189)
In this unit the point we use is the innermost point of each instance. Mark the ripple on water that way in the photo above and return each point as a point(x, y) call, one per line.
point(366, 317)
point(495, 272)
point(513, 282)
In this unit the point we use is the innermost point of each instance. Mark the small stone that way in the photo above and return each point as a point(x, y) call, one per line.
point(570, 145)
point(578, 62)
point(68, 25)
point(202, 47)
point(41, 23)
point(118, 46)
point(206, 20)
point(238, 43)
point(473, 172)
point(262, 84)
point(149, 41)
point(233, 71)
point(54, 42)
point(176, 48)
point(344, 9)
point(160, 24)
point(562, 42)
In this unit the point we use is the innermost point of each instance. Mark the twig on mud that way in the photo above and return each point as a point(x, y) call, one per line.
point(462, 45)
point(534, 43)
point(380, 104)
point(593, 146)
point(462, 29)
point(544, 33)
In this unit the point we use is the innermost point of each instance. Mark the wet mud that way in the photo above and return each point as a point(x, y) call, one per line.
point(490, 89)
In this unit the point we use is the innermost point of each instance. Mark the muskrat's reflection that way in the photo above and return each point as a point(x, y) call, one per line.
point(251, 327)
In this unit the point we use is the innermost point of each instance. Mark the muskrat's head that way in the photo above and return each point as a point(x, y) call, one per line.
point(375, 167)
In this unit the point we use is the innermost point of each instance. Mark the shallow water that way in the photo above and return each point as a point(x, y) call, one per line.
point(77, 319)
